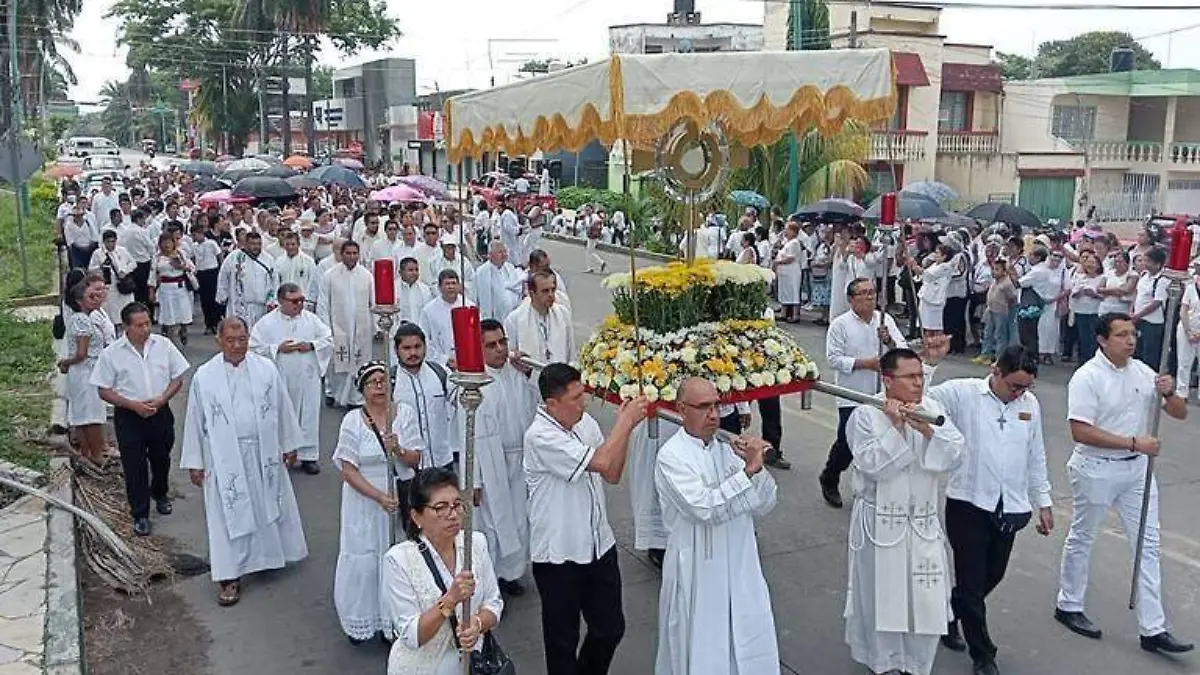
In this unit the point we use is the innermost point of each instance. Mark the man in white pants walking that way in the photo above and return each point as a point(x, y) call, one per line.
point(1109, 401)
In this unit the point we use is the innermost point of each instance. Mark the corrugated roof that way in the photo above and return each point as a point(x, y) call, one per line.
point(910, 70)
point(972, 77)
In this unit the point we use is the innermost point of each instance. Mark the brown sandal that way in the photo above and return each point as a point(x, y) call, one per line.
point(231, 592)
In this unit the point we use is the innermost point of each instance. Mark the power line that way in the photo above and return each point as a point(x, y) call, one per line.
point(1049, 6)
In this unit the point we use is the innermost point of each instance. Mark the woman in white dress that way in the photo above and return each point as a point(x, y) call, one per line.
point(787, 273)
point(172, 277)
point(367, 503)
point(420, 611)
point(115, 264)
point(89, 331)
point(1118, 286)
point(935, 283)
point(1187, 333)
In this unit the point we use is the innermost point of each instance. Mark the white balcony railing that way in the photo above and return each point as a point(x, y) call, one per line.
point(898, 145)
point(1122, 152)
point(968, 142)
point(1187, 153)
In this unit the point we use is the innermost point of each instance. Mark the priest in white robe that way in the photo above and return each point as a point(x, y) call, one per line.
point(239, 437)
point(427, 251)
point(435, 319)
point(347, 295)
point(247, 281)
point(294, 266)
point(509, 405)
point(540, 326)
point(499, 286)
point(450, 258)
point(412, 294)
point(898, 594)
point(301, 346)
point(714, 609)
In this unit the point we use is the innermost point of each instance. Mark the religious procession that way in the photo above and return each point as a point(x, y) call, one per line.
point(485, 416)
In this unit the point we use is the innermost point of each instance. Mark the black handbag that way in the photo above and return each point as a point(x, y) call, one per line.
point(490, 659)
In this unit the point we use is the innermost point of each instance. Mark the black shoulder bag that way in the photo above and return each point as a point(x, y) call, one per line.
point(491, 659)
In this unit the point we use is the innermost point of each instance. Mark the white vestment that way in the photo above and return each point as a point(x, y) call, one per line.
point(714, 610)
point(509, 404)
point(410, 300)
point(439, 335)
point(239, 424)
point(299, 269)
point(498, 289)
point(345, 306)
point(510, 234)
point(649, 531)
point(246, 285)
point(549, 338)
point(301, 371)
point(897, 599)
point(426, 255)
point(464, 268)
point(846, 268)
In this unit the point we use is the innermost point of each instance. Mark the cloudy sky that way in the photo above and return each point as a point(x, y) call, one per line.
point(451, 39)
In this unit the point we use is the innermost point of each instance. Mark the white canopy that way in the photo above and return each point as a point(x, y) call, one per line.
point(638, 97)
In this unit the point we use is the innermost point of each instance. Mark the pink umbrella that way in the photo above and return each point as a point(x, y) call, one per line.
point(398, 193)
point(432, 187)
point(221, 197)
point(349, 163)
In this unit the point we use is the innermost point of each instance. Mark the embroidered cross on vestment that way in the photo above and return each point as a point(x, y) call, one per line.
point(927, 574)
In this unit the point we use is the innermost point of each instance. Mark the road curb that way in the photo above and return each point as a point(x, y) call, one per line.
point(609, 248)
point(64, 622)
point(34, 301)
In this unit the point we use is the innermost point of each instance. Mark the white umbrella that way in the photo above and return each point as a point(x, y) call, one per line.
point(248, 164)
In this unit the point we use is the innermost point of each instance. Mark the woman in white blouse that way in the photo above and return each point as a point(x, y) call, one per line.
point(89, 331)
point(787, 273)
point(1085, 303)
point(1187, 333)
point(172, 277)
point(935, 282)
point(113, 263)
point(420, 612)
point(1118, 286)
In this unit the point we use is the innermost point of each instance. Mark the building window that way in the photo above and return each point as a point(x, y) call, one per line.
point(1074, 122)
point(954, 111)
point(653, 49)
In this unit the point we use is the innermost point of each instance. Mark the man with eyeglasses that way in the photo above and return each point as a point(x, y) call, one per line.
point(992, 494)
point(301, 345)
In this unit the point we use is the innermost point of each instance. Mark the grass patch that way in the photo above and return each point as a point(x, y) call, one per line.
point(39, 244)
point(26, 357)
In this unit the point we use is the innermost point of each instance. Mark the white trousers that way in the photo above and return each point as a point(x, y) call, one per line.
point(593, 259)
point(1098, 485)
point(1187, 353)
point(1048, 325)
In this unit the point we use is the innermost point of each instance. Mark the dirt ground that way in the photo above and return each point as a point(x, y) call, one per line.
point(126, 635)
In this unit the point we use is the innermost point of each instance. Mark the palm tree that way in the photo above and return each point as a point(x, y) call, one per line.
point(827, 166)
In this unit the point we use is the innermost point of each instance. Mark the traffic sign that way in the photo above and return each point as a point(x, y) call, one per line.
point(28, 162)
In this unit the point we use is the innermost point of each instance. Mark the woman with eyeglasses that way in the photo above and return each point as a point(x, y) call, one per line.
point(1085, 305)
point(365, 441)
point(88, 331)
point(425, 617)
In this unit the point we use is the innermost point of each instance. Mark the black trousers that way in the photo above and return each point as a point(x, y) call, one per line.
point(141, 283)
point(732, 423)
point(839, 454)
point(80, 257)
point(213, 312)
point(954, 320)
point(145, 445)
point(772, 425)
point(981, 554)
point(570, 590)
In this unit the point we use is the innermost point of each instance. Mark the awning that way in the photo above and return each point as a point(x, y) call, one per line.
point(972, 77)
point(910, 71)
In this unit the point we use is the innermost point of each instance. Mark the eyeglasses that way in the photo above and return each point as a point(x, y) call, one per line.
point(1018, 388)
point(377, 383)
point(444, 509)
point(294, 301)
point(701, 407)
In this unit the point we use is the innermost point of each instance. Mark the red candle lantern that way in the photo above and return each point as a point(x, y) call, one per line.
point(385, 282)
point(1181, 246)
point(468, 339)
point(887, 209)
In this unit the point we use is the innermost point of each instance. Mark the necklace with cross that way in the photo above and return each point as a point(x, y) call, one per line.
point(1001, 421)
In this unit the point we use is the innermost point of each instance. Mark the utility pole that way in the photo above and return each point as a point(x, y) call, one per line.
point(21, 198)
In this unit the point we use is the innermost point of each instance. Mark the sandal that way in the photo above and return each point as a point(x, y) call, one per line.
point(231, 592)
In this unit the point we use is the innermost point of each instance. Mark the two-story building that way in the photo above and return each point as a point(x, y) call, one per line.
point(365, 102)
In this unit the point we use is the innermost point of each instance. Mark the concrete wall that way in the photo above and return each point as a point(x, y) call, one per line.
point(1112, 113)
point(1147, 118)
point(975, 177)
point(978, 55)
point(705, 37)
point(986, 111)
point(1187, 119)
point(923, 102)
point(1025, 122)
point(891, 18)
point(775, 26)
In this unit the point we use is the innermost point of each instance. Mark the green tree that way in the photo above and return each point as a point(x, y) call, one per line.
point(827, 167)
point(1089, 53)
point(42, 41)
point(1014, 66)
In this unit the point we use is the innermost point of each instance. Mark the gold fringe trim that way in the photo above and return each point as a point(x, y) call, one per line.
point(761, 124)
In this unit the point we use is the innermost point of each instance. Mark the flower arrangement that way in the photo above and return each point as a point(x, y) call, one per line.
point(735, 354)
point(676, 296)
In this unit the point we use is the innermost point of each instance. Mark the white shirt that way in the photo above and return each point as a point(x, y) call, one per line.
point(427, 396)
point(1149, 288)
point(103, 204)
point(136, 240)
point(850, 338)
point(1119, 303)
point(1005, 456)
point(1117, 400)
point(206, 254)
point(1085, 304)
point(522, 185)
point(80, 235)
point(568, 521)
point(139, 376)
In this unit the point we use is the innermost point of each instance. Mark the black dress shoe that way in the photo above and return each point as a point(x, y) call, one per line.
point(985, 667)
point(329, 401)
point(778, 462)
point(656, 556)
point(831, 495)
point(513, 588)
point(164, 506)
point(310, 468)
point(1165, 642)
point(952, 640)
point(1078, 623)
point(141, 527)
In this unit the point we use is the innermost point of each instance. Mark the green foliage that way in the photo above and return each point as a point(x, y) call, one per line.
point(828, 166)
point(663, 313)
point(1089, 53)
point(1014, 66)
point(25, 395)
point(58, 126)
point(575, 197)
point(39, 242)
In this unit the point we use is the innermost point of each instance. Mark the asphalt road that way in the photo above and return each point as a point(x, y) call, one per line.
point(286, 623)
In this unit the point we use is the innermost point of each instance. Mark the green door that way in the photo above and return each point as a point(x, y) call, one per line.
point(1049, 197)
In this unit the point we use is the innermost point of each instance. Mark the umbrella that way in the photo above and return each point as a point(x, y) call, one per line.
point(834, 210)
point(269, 159)
point(1003, 212)
point(337, 175)
point(432, 187)
point(200, 168)
point(749, 198)
point(280, 171)
point(909, 206)
point(935, 190)
point(248, 164)
point(208, 184)
point(221, 197)
point(62, 171)
point(264, 187)
point(349, 163)
point(232, 176)
point(226, 158)
point(303, 182)
point(298, 162)
point(398, 193)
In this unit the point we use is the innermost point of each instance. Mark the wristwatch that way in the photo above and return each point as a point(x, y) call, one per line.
point(445, 610)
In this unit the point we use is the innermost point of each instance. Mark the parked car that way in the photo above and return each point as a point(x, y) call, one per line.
point(491, 186)
point(85, 146)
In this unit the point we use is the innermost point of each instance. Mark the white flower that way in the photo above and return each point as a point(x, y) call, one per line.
point(598, 350)
point(629, 391)
point(723, 384)
point(650, 392)
point(812, 371)
point(772, 347)
point(768, 378)
point(783, 376)
point(738, 382)
point(667, 393)
point(593, 380)
point(688, 354)
point(603, 380)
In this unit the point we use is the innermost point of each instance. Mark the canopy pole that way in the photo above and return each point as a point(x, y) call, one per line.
point(631, 243)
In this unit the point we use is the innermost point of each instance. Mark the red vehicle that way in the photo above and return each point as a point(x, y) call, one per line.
point(492, 186)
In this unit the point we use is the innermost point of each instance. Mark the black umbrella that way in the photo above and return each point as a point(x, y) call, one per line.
point(909, 206)
point(280, 171)
point(200, 168)
point(303, 182)
point(1003, 212)
point(338, 175)
point(202, 184)
point(233, 176)
point(830, 211)
point(264, 187)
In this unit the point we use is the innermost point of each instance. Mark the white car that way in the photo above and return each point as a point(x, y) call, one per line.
point(112, 163)
point(85, 146)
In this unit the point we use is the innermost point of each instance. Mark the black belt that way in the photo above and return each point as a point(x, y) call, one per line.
point(1127, 458)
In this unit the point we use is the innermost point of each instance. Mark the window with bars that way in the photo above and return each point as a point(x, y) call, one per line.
point(953, 110)
point(1074, 122)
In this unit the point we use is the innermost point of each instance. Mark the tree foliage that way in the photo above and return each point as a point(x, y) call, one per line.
point(1084, 54)
point(1014, 66)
